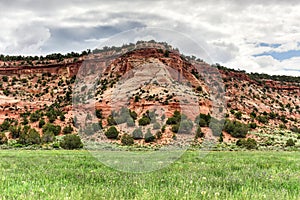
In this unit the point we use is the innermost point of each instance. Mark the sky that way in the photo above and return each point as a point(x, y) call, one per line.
point(251, 35)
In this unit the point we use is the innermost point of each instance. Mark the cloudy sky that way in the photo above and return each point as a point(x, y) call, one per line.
point(242, 34)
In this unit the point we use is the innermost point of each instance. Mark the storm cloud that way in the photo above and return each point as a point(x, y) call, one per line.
point(237, 34)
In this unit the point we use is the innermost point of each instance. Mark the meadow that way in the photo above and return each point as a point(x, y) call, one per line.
point(60, 174)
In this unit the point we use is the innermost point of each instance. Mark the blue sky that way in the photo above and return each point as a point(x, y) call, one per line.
point(280, 56)
point(252, 35)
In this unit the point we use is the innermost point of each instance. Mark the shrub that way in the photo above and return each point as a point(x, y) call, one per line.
point(163, 128)
point(282, 126)
point(112, 133)
point(127, 139)
point(221, 137)
point(235, 128)
point(33, 137)
point(136, 99)
point(203, 120)
point(133, 114)
point(145, 120)
point(71, 141)
point(290, 142)
point(99, 114)
point(62, 117)
point(249, 143)
point(111, 121)
point(149, 137)
point(41, 123)
point(25, 121)
point(171, 120)
point(175, 128)
point(4, 78)
point(199, 89)
point(53, 128)
point(34, 117)
point(5, 125)
point(6, 92)
point(48, 136)
point(158, 134)
point(252, 125)
point(262, 119)
point(202, 123)
point(15, 131)
point(199, 133)
point(68, 129)
point(238, 115)
point(137, 134)
point(175, 119)
point(3, 139)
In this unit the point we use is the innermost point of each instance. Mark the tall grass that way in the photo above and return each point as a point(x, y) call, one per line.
point(219, 175)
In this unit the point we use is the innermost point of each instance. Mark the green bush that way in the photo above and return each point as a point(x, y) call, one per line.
point(25, 121)
point(55, 129)
point(71, 141)
point(238, 115)
point(41, 123)
point(163, 128)
point(5, 125)
point(111, 121)
point(282, 126)
point(175, 119)
point(137, 134)
point(4, 78)
point(145, 120)
point(133, 114)
point(158, 134)
point(15, 131)
point(175, 128)
point(99, 114)
point(249, 143)
point(236, 129)
point(202, 123)
point(127, 139)
point(221, 137)
point(171, 120)
point(48, 136)
point(199, 133)
point(149, 137)
point(32, 137)
point(68, 129)
point(112, 133)
point(34, 117)
point(252, 125)
point(62, 117)
point(262, 119)
point(203, 120)
point(290, 142)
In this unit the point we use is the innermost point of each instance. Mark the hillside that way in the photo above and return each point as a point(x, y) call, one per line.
point(138, 89)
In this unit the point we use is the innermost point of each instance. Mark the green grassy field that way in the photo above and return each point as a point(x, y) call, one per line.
point(61, 174)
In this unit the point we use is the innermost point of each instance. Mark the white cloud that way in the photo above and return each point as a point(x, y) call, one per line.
point(229, 31)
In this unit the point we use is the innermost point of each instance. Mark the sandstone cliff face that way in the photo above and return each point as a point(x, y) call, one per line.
point(148, 79)
point(69, 69)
